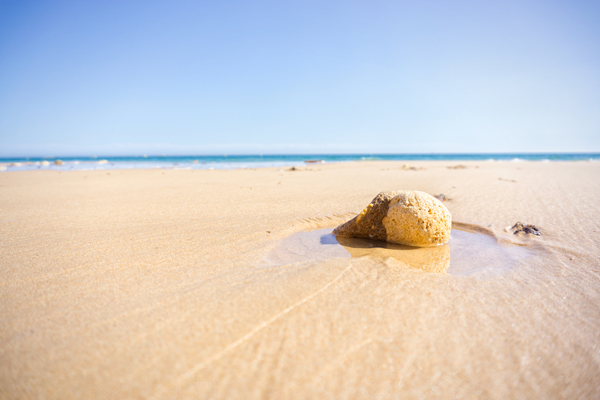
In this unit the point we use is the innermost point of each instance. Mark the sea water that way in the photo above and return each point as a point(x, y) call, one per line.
point(261, 161)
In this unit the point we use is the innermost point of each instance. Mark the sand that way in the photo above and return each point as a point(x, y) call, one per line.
point(156, 284)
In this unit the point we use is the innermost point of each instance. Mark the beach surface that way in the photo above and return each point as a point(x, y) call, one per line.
point(164, 284)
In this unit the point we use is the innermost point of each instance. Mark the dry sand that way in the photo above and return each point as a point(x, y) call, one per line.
point(154, 284)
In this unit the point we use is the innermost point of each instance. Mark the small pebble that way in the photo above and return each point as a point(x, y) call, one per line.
point(527, 229)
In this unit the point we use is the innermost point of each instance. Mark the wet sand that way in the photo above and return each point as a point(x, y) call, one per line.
point(158, 284)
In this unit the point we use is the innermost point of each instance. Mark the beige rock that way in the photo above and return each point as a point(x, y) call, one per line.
point(417, 219)
point(59, 162)
point(406, 217)
point(45, 163)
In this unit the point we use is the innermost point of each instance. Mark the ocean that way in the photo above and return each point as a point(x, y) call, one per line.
point(261, 161)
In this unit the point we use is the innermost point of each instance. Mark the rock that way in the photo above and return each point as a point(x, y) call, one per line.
point(441, 197)
point(59, 162)
point(45, 163)
point(103, 162)
point(527, 229)
point(369, 223)
point(406, 217)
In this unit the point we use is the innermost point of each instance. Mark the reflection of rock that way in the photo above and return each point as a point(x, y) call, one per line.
point(406, 217)
point(429, 259)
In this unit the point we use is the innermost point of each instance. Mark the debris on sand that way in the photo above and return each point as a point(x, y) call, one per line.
point(409, 168)
point(526, 229)
point(441, 197)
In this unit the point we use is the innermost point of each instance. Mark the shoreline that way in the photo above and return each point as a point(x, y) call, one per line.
point(189, 163)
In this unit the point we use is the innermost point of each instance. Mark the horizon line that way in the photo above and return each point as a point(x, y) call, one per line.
point(144, 156)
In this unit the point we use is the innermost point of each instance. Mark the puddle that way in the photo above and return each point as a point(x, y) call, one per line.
point(466, 253)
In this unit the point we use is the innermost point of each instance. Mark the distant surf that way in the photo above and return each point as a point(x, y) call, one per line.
point(261, 161)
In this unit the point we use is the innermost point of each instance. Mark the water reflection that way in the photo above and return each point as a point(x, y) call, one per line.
point(429, 259)
point(466, 253)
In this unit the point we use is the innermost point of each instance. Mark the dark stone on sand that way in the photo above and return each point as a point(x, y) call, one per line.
point(527, 229)
point(440, 197)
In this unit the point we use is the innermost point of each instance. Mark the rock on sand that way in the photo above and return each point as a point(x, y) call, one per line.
point(406, 217)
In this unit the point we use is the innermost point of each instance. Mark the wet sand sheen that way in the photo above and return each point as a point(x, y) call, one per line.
point(467, 253)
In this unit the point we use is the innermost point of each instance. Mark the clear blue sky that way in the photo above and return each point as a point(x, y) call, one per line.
point(213, 77)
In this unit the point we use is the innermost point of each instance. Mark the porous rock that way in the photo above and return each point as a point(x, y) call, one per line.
point(406, 217)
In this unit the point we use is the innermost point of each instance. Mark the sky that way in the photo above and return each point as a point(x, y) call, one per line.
point(137, 77)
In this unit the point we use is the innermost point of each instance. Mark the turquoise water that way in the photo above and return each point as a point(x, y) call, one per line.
point(260, 161)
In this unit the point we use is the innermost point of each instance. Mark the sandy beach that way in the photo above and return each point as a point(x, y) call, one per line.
point(157, 284)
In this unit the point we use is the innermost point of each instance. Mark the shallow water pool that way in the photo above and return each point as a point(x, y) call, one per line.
point(467, 253)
